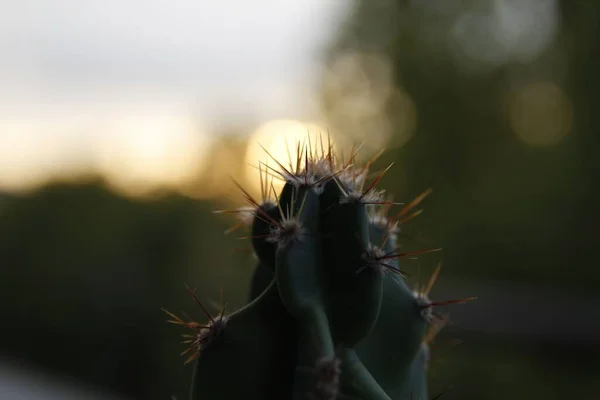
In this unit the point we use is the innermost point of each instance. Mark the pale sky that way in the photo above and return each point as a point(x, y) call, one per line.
point(216, 54)
point(76, 75)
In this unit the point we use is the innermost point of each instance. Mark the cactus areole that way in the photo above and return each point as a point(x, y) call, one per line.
point(330, 315)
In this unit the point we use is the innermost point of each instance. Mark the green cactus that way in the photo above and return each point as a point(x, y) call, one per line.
point(330, 315)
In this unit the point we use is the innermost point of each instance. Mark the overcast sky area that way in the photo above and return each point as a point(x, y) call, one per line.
point(72, 69)
point(220, 55)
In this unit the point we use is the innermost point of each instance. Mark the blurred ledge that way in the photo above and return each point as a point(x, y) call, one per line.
point(521, 311)
point(26, 383)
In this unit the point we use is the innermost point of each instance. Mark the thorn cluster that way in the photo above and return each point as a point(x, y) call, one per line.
point(374, 257)
point(312, 172)
point(204, 334)
point(327, 373)
point(287, 231)
point(313, 167)
point(426, 306)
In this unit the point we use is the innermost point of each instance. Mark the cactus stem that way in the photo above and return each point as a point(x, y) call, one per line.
point(374, 257)
point(313, 262)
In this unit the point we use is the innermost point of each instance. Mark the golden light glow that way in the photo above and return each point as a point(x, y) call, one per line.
point(540, 114)
point(34, 150)
point(280, 139)
point(139, 153)
point(135, 154)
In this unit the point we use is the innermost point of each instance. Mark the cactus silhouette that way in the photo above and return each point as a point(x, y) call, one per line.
point(330, 315)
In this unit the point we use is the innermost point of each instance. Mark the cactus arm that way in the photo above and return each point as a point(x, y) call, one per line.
point(355, 289)
point(300, 278)
point(419, 374)
point(330, 315)
point(389, 350)
point(356, 379)
point(256, 351)
point(416, 380)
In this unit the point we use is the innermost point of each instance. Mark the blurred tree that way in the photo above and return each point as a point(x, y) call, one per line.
point(85, 273)
point(504, 127)
point(491, 103)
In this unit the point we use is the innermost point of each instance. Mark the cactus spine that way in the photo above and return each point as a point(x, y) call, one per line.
point(330, 315)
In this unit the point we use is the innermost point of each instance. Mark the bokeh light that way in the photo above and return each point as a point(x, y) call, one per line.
point(134, 151)
point(361, 95)
point(507, 31)
point(138, 153)
point(540, 114)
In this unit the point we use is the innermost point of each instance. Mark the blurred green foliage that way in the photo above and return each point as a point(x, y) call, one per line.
point(502, 209)
point(86, 272)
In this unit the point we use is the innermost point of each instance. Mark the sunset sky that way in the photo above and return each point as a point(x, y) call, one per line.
point(137, 90)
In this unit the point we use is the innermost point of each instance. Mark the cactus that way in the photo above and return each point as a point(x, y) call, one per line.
point(330, 315)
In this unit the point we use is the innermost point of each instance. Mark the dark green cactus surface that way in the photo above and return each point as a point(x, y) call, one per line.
point(330, 315)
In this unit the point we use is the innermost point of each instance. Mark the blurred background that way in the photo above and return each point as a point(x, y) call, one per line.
point(122, 123)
